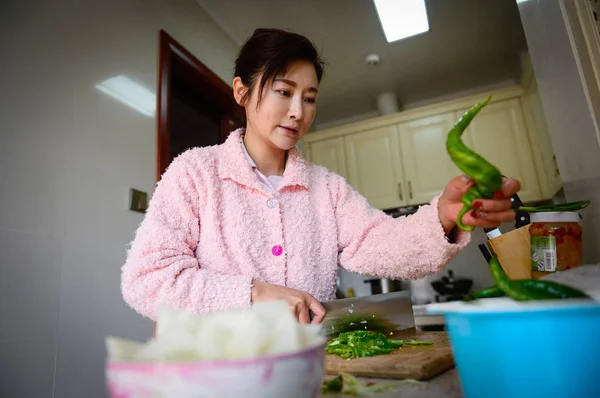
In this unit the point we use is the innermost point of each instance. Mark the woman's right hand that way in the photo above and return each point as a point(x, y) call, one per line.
point(299, 302)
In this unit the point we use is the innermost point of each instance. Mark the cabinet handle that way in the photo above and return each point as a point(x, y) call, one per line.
point(400, 191)
point(410, 190)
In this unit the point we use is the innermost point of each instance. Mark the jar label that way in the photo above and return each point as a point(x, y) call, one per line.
point(543, 253)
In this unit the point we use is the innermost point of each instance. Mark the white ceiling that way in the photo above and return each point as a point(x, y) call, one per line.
point(471, 43)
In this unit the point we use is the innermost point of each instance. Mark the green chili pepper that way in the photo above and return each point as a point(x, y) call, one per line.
point(554, 289)
point(488, 179)
point(492, 291)
point(531, 289)
point(515, 291)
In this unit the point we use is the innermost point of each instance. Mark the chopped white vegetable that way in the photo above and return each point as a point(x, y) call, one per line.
point(264, 329)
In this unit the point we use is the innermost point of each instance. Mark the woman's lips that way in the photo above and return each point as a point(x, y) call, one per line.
point(289, 130)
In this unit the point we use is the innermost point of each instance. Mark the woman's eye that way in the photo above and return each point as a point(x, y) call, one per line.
point(284, 93)
point(311, 100)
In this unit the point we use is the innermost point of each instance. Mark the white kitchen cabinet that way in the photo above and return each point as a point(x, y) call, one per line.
point(375, 168)
point(425, 160)
point(541, 144)
point(499, 134)
point(401, 159)
point(330, 154)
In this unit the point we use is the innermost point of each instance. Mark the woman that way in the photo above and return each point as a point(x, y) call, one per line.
point(250, 220)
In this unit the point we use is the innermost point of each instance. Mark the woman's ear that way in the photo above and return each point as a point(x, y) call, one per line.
point(239, 90)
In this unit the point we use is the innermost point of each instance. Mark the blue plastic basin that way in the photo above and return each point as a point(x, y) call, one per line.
point(508, 349)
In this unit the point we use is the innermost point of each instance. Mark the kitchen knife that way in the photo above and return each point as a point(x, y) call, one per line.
point(522, 218)
point(385, 313)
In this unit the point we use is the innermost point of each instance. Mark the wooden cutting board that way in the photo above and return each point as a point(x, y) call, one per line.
point(409, 362)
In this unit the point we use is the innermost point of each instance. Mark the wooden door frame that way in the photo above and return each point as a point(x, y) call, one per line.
point(220, 91)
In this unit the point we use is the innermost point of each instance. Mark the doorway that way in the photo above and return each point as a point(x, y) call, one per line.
point(195, 107)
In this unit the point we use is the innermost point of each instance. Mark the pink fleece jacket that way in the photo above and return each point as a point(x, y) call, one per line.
point(212, 227)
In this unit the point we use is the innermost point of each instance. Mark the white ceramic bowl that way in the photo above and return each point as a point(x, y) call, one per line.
point(296, 375)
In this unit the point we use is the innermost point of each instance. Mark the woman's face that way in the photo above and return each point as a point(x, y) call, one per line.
point(287, 108)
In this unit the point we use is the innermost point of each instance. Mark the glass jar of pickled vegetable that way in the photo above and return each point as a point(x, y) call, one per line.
point(556, 242)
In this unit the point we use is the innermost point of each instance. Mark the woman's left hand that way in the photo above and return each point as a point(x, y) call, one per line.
point(486, 213)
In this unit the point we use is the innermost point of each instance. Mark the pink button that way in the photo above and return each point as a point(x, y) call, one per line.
point(277, 250)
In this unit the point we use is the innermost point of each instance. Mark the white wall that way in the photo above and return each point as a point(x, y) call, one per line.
point(68, 156)
point(571, 100)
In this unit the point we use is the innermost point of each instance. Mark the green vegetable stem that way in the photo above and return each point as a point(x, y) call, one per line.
point(488, 179)
point(571, 206)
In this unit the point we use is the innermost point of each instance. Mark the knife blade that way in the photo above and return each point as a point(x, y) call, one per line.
point(385, 313)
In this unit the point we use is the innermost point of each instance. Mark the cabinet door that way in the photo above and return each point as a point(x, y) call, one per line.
point(374, 167)
point(543, 151)
point(427, 165)
point(329, 154)
point(498, 133)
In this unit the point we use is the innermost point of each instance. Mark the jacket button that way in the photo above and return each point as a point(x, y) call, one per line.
point(271, 203)
point(277, 250)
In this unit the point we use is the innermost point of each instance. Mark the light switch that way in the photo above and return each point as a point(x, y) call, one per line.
point(138, 201)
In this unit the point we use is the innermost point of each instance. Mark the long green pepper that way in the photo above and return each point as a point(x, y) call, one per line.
point(488, 179)
point(556, 290)
point(488, 292)
point(531, 289)
point(511, 289)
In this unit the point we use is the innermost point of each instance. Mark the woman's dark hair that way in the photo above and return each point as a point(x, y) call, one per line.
point(270, 51)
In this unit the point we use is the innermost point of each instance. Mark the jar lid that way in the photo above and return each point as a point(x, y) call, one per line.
point(555, 216)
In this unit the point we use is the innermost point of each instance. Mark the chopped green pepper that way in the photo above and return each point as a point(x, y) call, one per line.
point(361, 343)
point(364, 343)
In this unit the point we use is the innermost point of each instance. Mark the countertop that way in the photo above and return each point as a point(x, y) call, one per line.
point(423, 318)
point(444, 385)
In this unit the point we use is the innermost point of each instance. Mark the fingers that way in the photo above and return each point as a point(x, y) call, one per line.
point(301, 308)
point(303, 315)
point(317, 308)
point(463, 183)
point(510, 187)
point(497, 209)
point(483, 219)
point(489, 205)
point(501, 201)
point(299, 302)
point(457, 187)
